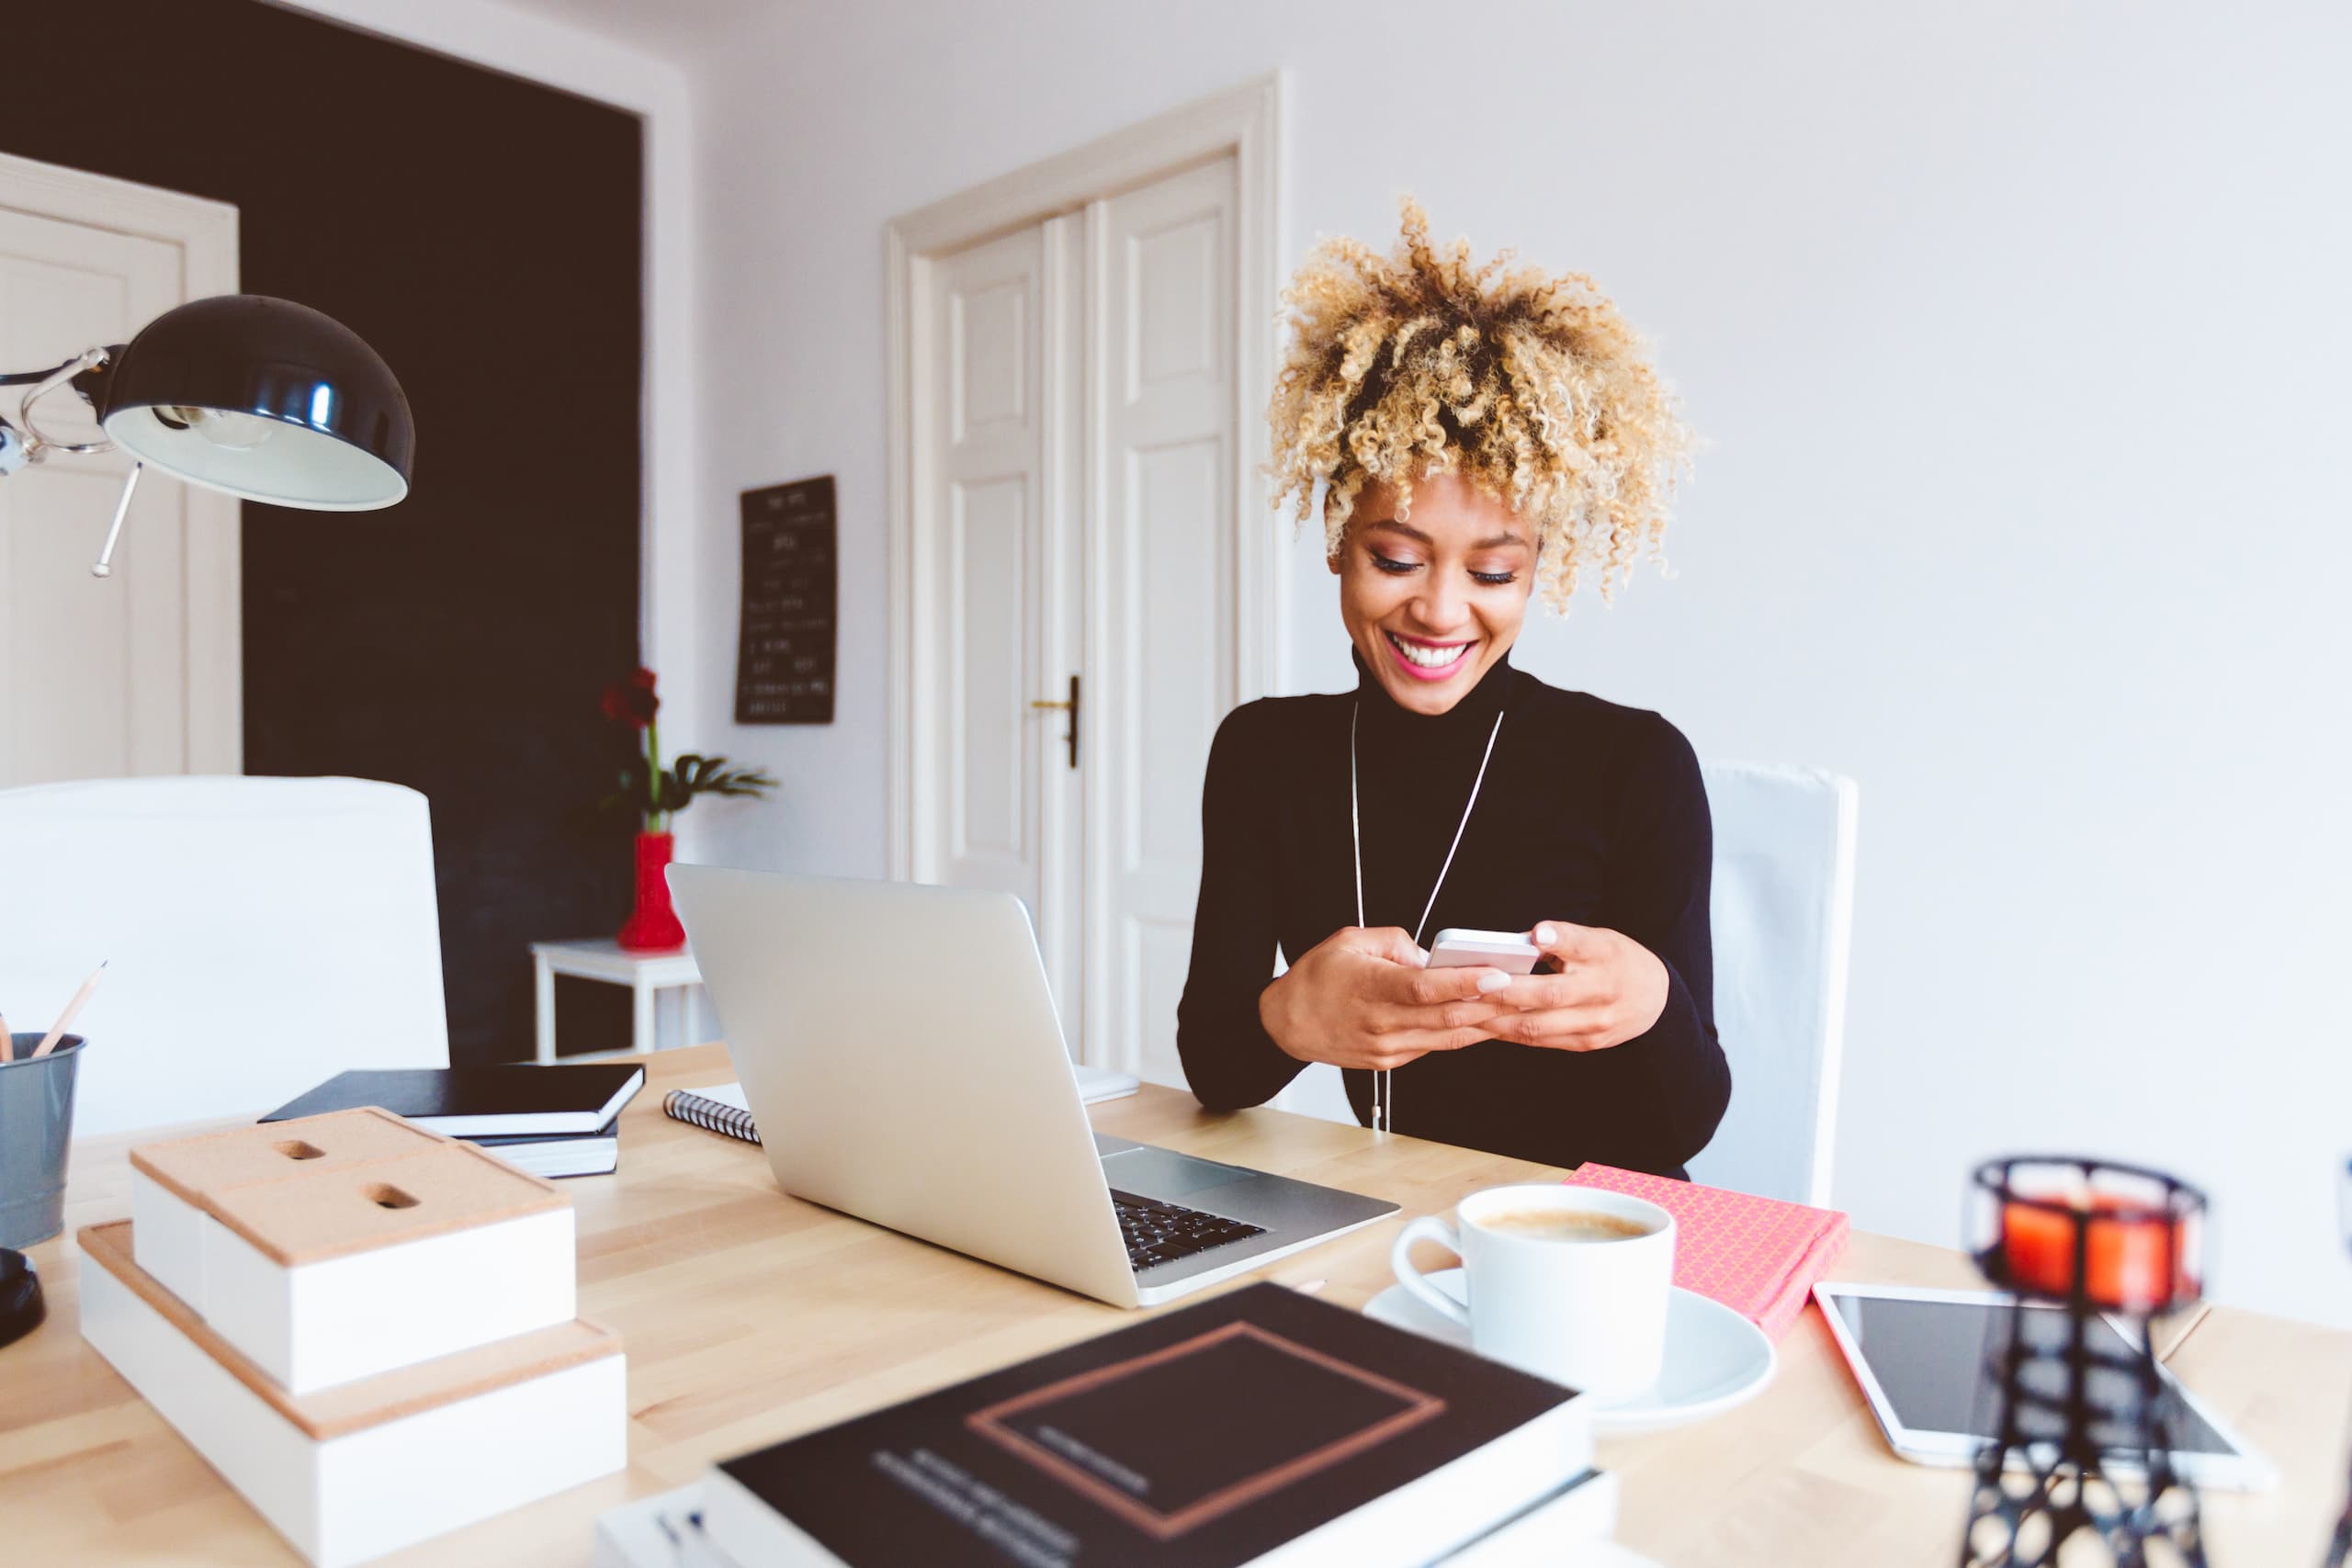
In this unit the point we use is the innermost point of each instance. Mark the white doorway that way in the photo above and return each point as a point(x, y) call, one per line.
point(1084, 571)
point(140, 672)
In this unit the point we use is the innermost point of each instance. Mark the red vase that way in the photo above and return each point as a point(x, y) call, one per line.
point(652, 925)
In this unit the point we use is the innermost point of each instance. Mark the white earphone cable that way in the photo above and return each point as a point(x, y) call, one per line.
point(1383, 1090)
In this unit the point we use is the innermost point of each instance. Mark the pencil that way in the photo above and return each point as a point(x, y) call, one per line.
point(57, 1030)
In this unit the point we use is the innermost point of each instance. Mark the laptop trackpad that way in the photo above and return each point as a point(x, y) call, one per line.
point(1165, 1174)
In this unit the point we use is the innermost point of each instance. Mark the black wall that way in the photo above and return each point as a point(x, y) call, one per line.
point(483, 234)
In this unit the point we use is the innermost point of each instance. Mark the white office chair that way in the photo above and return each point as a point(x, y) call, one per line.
point(1782, 916)
point(260, 935)
point(1783, 913)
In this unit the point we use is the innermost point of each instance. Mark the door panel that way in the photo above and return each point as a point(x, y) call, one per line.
point(986, 596)
point(95, 678)
point(1167, 273)
point(1174, 670)
point(993, 780)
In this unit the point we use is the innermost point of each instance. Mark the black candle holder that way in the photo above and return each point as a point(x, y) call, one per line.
point(2084, 1432)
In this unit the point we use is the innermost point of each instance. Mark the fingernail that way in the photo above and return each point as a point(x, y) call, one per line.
point(1492, 980)
point(1544, 935)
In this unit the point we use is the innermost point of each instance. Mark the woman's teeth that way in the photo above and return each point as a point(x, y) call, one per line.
point(1427, 657)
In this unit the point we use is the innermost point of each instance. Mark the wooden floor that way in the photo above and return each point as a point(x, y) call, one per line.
point(750, 1316)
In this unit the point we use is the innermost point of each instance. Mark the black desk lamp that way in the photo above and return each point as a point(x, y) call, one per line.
point(256, 396)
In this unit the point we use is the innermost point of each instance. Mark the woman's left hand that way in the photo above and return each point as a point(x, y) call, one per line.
point(1610, 989)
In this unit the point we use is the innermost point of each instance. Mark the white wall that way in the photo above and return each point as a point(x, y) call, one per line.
point(524, 44)
point(2019, 333)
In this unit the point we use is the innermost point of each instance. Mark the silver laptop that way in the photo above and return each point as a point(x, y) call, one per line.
point(901, 1053)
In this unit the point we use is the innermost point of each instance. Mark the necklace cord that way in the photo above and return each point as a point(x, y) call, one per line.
point(1383, 1089)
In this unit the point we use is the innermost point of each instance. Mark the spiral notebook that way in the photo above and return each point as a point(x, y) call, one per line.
point(719, 1108)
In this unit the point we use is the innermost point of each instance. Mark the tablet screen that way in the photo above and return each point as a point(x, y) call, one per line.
point(1928, 1357)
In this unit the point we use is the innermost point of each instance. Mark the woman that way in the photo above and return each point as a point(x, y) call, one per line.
point(1477, 433)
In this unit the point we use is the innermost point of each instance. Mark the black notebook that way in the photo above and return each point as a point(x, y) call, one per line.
point(505, 1101)
point(1211, 1436)
point(559, 1154)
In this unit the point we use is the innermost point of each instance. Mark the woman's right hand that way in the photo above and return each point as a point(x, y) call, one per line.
point(1365, 997)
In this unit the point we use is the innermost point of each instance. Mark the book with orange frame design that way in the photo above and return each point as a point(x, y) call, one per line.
point(1262, 1426)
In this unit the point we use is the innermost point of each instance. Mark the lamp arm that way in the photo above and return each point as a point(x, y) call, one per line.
point(69, 373)
point(81, 364)
point(26, 377)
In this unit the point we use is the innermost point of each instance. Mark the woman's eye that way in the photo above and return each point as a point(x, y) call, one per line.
point(1391, 566)
point(1496, 579)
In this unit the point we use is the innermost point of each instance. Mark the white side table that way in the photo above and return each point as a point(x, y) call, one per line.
point(644, 974)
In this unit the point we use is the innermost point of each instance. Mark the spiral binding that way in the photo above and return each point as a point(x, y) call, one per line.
point(708, 1114)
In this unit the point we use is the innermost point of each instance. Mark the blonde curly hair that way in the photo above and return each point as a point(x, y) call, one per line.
point(1530, 386)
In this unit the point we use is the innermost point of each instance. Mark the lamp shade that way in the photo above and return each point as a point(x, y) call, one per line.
point(263, 399)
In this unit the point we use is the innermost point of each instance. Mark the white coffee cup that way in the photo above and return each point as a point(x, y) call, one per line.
point(1583, 1309)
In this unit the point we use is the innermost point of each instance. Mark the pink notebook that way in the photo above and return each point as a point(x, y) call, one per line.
point(1757, 1256)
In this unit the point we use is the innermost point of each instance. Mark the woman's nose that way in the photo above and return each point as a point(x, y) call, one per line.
point(1442, 607)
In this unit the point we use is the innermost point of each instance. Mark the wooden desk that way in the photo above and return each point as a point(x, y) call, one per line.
point(750, 1316)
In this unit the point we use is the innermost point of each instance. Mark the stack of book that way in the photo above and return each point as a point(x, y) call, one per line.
point(1259, 1427)
point(561, 1121)
point(367, 1329)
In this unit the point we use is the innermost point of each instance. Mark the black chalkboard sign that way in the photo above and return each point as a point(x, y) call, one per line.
point(784, 665)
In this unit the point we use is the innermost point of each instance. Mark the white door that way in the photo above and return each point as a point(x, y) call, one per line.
point(1074, 421)
point(985, 566)
point(138, 673)
point(1165, 269)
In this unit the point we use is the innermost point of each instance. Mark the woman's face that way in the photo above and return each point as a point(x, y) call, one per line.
point(1432, 601)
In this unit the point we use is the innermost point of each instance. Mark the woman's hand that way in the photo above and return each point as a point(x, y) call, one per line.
point(1610, 989)
point(1365, 998)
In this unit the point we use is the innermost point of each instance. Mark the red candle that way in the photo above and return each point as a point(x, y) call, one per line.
point(2131, 1259)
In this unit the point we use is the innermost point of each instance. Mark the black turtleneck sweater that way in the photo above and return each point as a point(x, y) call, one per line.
point(1591, 813)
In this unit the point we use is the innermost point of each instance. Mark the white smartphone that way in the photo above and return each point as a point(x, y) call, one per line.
point(1457, 948)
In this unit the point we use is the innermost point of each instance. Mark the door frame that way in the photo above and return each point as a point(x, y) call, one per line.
point(206, 232)
point(1249, 122)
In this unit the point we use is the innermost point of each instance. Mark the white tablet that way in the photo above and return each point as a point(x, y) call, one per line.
point(1920, 1356)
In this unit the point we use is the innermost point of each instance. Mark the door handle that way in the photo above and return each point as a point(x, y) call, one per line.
point(1071, 706)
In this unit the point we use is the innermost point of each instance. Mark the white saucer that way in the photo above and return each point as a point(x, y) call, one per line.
point(1714, 1358)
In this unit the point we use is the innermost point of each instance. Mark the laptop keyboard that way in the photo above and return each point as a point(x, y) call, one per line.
point(1158, 1233)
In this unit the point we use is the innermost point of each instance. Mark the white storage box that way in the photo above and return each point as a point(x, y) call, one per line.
point(165, 1179)
point(388, 1246)
point(370, 1467)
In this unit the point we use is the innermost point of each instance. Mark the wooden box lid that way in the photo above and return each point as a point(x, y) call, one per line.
point(212, 1162)
point(314, 1217)
point(369, 1401)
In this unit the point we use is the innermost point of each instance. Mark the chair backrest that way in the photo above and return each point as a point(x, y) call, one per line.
point(260, 935)
point(1782, 914)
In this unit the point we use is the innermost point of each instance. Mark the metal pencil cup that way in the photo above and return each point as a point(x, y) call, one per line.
point(35, 1122)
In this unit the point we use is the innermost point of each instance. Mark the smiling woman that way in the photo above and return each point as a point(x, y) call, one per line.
point(1474, 434)
point(1432, 605)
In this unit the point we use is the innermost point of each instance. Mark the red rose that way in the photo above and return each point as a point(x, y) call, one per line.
point(632, 702)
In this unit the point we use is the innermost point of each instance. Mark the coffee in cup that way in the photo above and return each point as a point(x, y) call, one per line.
point(1570, 1283)
point(1564, 1225)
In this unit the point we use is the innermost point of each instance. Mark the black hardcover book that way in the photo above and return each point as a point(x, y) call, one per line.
point(559, 1154)
point(481, 1101)
point(1257, 1425)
